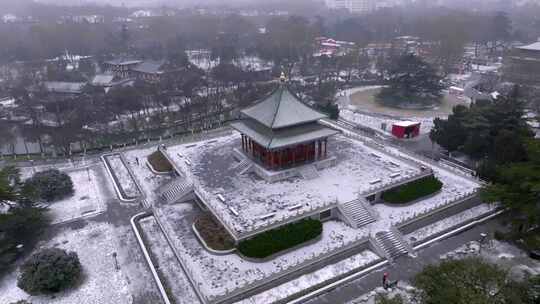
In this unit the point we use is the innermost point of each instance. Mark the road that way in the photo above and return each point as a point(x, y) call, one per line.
point(405, 267)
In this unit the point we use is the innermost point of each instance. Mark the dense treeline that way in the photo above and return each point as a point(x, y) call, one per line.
point(448, 29)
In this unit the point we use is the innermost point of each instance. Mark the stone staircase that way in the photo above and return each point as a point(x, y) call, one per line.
point(391, 244)
point(308, 172)
point(175, 191)
point(357, 213)
point(243, 167)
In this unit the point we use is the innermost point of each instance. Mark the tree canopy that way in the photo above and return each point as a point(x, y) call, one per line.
point(411, 81)
point(517, 186)
point(469, 281)
point(493, 132)
point(49, 185)
point(49, 271)
point(21, 221)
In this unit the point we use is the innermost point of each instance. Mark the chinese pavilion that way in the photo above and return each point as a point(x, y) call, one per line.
point(280, 131)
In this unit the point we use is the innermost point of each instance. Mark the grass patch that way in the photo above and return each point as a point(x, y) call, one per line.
point(282, 238)
point(214, 234)
point(412, 191)
point(159, 162)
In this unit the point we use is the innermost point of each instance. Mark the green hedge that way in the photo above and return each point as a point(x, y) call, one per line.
point(274, 241)
point(412, 191)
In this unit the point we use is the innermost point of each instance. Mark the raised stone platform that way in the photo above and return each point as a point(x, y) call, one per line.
point(248, 203)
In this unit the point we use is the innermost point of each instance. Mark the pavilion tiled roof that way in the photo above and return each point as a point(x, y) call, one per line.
point(531, 47)
point(281, 138)
point(282, 109)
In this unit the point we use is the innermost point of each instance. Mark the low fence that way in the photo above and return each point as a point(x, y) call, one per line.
point(94, 155)
point(34, 150)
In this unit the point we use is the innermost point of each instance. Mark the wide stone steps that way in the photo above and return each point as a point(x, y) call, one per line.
point(391, 244)
point(357, 213)
point(175, 191)
point(309, 172)
point(243, 167)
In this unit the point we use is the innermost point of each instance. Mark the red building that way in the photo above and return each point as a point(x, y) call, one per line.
point(406, 129)
point(280, 131)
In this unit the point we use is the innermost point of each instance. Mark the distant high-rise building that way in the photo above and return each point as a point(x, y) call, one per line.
point(353, 6)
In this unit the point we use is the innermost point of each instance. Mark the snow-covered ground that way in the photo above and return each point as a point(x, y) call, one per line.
point(169, 268)
point(102, 283)
point(376, 121)
point(124, 179)
point(209, 165)
point(353, 113)
point(442, 225)
point(403, 290)
point(503, 254)
point(312, 279)
point(217, 275)
point(486, 68)
point(149, 181)
point(87, 200)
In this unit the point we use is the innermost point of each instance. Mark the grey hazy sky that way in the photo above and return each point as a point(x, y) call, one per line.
point(139, 2)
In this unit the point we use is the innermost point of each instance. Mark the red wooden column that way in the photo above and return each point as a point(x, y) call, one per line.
point(267, 158)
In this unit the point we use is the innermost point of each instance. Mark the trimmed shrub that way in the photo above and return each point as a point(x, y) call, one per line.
point(282, 238)
point(159, 162)
point(49, 185)
point(412, 191)
point(49, 271)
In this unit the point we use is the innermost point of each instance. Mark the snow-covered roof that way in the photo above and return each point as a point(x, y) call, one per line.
point(64, 87)
point(102, 79)
point(282, 109)
point(7, 101)
point(531, 47)
point(457, 88)
point(120, 61)
point(150, 67)
point(406, 123)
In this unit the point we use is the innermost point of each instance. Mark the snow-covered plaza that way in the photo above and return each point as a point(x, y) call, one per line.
point(211, 167)
point(87, 200)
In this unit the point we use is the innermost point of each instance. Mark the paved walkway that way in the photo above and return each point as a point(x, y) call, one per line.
point(119, 214)
point(405, 268)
